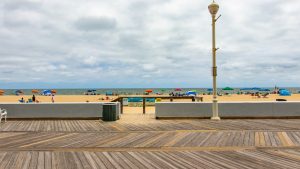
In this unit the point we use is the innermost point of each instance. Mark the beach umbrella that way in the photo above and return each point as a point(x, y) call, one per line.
point(284, 92)
point(227, 88)
point(35, 91)
point(178, 89)
point(191, 93)
point(256, 88)
point(53, 91)
point(148, 91)
point(19, 92)
point(210, 90)
point(46, 92)
point(2, 92)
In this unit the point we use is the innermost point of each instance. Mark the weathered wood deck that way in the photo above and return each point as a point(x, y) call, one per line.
point(140, 141)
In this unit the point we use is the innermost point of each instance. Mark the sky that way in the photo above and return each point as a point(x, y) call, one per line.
point(147, 43)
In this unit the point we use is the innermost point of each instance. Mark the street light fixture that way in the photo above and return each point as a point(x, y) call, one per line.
point(213, 9)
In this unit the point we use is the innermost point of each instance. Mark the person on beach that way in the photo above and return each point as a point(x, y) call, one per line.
point(52, 98)
point(33, 98)
point(22, 100)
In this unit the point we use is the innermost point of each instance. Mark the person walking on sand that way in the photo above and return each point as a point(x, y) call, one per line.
point(52, 98)
point(33, 98)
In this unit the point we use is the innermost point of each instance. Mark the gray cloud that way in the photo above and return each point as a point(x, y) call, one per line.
point(96, 24)
point(147, 43)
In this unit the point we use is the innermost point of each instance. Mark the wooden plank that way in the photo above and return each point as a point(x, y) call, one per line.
point(48, 160)
point(34, 160)
point(26, 161)
point(41, 160)
point(284, 138)
point(104, 160)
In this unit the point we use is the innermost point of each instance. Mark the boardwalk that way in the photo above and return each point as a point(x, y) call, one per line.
point(140, 141)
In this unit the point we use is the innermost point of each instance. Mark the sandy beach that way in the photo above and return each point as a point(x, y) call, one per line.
point(103, 98)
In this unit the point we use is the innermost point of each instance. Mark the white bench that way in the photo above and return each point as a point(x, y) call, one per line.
point(3, 114)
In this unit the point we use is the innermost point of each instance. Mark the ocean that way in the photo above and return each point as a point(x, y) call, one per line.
point(134, 91)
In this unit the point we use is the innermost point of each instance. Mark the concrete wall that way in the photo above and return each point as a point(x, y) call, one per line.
point(229, 109)
point(55, 110)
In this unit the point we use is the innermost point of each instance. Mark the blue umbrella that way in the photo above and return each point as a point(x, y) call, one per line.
point(46, 92)
point(191, 93)
point(256, 88)
point(210, 90)
point(284, 92)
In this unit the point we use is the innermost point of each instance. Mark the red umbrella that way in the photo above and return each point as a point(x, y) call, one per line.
point(178, 89)
point(149, 91)
point(35, 91)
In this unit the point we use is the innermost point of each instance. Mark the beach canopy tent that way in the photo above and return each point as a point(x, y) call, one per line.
point(227, 88)
point(19, 92)
point(284, 92)
point(46, 92)
point(191, 93)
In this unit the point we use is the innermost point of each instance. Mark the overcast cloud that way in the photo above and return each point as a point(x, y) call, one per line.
point(147, 43)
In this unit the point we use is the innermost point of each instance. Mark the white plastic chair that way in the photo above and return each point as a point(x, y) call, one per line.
point(3, 114)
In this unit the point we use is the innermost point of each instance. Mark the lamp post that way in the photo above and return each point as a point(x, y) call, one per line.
point(213, 9)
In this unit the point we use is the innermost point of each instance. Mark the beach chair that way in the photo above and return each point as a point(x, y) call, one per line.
point(3, 114)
